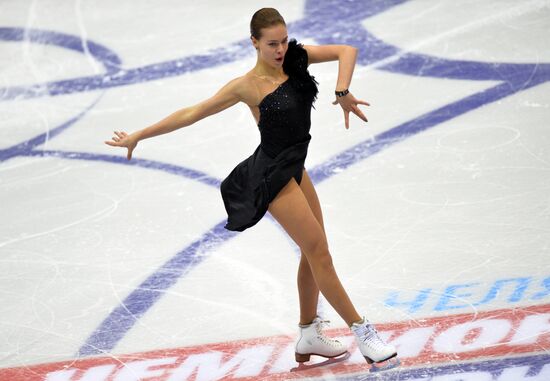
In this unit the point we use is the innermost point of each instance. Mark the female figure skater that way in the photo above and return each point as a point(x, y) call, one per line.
point(280, 92)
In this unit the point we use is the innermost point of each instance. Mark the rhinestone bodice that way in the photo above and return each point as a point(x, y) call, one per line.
point(284, 118)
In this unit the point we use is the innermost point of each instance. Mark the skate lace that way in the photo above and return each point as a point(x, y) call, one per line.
point(369, 336)
point(321, 336)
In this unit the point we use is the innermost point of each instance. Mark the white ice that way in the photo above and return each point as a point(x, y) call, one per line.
point(467, 201)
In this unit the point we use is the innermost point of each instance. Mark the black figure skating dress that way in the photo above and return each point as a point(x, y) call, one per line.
point(284, 128)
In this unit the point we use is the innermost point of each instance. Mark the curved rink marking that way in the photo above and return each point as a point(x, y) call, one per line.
point(323, 21)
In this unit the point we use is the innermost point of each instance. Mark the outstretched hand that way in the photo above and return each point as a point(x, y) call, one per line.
point(350, 103)
point(122, 139)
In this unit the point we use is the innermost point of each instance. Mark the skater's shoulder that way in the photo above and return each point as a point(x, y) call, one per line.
point(240, 88)
point(245, 86)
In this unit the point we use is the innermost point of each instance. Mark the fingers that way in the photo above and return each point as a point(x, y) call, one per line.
point(119, 141)
point(353, 107)
point(346, 118)
point(119, 135)
point(359, 113)
point(116, 139)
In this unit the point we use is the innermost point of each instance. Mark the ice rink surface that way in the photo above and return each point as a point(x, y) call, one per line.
point(437, 210)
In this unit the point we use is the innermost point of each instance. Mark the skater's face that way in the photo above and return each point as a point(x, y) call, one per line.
point(272, 45)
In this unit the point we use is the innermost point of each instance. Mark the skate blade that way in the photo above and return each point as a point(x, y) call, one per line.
point(390, 363)
point(329, 361)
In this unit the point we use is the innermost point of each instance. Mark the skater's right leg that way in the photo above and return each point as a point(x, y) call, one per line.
point(290, 208)
point(308, 291)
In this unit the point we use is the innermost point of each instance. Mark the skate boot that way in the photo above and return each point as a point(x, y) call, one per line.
point(312, 341)
point(372, 347)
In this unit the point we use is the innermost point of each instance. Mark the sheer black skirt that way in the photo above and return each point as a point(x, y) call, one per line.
point(256, 181)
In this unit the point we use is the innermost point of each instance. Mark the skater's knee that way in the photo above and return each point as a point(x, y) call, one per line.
point(318, 254)
point(315, 247)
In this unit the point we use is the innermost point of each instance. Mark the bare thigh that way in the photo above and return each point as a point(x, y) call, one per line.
point(311, 195)
point(291, 209)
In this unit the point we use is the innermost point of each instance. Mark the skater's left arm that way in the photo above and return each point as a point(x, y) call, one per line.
point(346, 56)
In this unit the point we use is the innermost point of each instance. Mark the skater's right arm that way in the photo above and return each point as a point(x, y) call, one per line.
point(227, 96)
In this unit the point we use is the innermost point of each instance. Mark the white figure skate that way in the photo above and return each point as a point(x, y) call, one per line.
point(312, 341)
point(373, 348)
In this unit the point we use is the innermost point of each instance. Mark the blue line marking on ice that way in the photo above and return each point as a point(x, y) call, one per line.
point(325, 22)
point(124, 316)
point(399, 133)
point(102, 54)
point(26, 148)
point(142, 163)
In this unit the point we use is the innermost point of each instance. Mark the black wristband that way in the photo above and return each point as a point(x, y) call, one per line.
point(341, 93)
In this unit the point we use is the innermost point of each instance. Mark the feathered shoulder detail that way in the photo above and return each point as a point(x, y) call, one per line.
point(295, 65)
